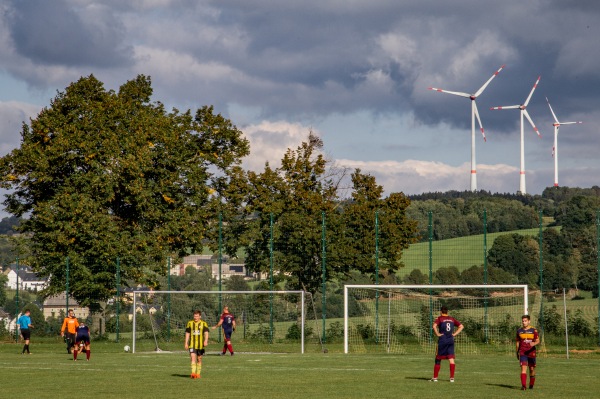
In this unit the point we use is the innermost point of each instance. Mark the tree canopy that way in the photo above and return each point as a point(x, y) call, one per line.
point(104, 174)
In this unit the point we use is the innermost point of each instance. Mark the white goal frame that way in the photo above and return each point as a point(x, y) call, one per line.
point(283, 292)
point(524, 287)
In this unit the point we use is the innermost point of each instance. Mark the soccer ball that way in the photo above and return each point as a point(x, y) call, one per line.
point(126, 348)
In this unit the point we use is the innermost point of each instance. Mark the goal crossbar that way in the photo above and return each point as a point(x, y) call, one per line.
point(155, 292)
point(450, 287)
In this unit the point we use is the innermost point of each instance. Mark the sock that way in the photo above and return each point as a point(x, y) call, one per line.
point(87, 354)
point(198, 368)
point(436, 370)
point(75, 355)
point(225, 348)
point(230, 347)
point(24, 348)
point(193, 368)
point(27, 348)
point(523, 379)
point(531, 381)
point(452, 368)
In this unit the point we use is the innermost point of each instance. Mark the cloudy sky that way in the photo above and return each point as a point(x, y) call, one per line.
point(356, 72)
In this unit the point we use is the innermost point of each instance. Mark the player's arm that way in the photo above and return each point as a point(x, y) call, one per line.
point(536, 341)
point(233, 324)
point(219, 324)
point(206, 336)
point(436, 330)
point(458, 330)
point(62, 329)
point(187, 340)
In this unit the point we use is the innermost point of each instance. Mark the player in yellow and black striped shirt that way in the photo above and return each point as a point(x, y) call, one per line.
point(196, 339)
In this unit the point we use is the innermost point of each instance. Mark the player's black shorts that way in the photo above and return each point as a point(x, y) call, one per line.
point(82, 338)
point(198, 352)
point(25, 333)
point(70, 339)
point(227, 333)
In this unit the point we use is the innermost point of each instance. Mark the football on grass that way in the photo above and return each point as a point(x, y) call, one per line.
point(126, 348)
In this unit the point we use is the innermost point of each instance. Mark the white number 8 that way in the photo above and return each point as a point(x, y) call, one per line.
point(448, 327)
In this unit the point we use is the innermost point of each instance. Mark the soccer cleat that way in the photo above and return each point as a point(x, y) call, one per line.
point(231, 353)
point(222, 354)
point(433, 380)
point(193, 376)
point(523, 388)
point(451, 379)
point(531, 387)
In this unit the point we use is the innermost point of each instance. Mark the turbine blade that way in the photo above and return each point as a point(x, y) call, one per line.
point(482, 88)
point(532, 90)
point(456, 93)
point(478, 120)
point(507, 107)
point(569, 123)
point(530, 121)
point(551, 110)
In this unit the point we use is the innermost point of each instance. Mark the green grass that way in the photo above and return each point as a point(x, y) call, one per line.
point(50, 373)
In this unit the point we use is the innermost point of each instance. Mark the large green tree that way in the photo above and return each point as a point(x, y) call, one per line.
point(299, 206)
point(104, 174)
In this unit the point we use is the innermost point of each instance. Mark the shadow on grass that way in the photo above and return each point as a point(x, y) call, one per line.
point(504, 386)
point(181, 375)
point(418, 378)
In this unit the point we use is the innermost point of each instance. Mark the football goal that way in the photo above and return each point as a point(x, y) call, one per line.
point(399, 318)
point(266, 321)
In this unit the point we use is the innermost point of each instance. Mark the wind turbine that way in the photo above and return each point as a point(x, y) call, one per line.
point(524, 113)
point(474, 114)
point(556, 125)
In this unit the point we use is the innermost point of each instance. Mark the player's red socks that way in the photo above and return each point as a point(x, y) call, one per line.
point(523, 379)
point(436, 370)
point(531, 382)
point(75, 354)
point(452, 368)
point(230, 347)
point(87, 354)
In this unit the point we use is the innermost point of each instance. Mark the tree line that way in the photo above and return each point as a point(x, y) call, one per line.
point(103, 174)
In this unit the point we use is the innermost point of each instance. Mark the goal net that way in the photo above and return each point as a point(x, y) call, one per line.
point(266, 321)
point(399, 318)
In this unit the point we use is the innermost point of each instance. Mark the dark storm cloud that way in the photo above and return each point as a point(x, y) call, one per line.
point(56, 33)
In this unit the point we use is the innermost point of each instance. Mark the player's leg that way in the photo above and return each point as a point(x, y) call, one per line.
point(199, 365)
point(87, 350)
point(76, 350)
point(452, 368)
point(531, 372)
point(194, 359)
point(228, 342)
point(523, 361)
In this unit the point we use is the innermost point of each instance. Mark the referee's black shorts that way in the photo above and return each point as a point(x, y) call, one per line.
point(25, 333)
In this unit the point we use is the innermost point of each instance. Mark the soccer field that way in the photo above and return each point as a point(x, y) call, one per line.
point(50, 373)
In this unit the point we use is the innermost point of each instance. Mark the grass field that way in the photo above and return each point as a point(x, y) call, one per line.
point(50, 373)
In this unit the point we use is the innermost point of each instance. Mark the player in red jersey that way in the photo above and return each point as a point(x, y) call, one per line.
point(527, 340)
point(227, 322)
point(445, 328)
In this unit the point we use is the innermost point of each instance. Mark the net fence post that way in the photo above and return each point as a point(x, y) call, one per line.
point(134, 323)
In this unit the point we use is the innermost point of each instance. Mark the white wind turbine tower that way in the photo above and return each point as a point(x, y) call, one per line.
point(524, 113)
point(556, 125)
point(474, 114)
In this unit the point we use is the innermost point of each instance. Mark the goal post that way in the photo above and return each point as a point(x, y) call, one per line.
point(399, 318)
point(266, 321)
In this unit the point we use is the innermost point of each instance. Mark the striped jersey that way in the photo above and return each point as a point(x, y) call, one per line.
point(196, 329)
point(525, 336)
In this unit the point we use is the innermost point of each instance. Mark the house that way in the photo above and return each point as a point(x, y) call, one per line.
point(53, 306)
point(211, 264)
point(28, 280)
point(5, 320)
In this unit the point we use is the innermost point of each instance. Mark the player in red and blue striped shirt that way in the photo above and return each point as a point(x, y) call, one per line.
point(445, 328)
point(527, 340)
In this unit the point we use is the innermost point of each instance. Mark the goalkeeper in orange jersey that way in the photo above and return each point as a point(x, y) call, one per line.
point(196, 340)
point(70, 324)
point(527, 340)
